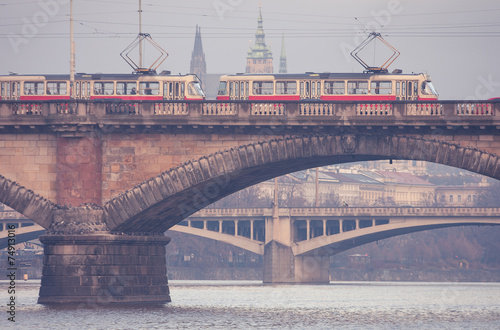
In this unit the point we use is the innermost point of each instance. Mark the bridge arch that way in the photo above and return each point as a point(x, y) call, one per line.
point(330, 245)
point(161, 202)
point(26, 202)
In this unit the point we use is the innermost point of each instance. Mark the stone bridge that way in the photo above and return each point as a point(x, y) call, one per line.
point(105, 179)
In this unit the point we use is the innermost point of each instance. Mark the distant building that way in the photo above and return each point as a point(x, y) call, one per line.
point(260, 57)
point(198, 64)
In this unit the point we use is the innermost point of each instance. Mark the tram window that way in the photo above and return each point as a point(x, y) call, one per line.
point(415, 88)
point(104, 88)
point(56, 88)
point(286, 87)
point(381, 87)
point(231, 89)
point(247, 89)
point(34, 88)
point(301, 88)
point(334, 87)
point(222, 88)
point(318, 92)
point(126, 88)
point(2, 86)
point(242, 89)
point(398, 88)
point(357, 87)
point(149, 88)
point(165, 89)
point(428, 88)
point(182, 89)
point(410, 90)
point(263, 87)
point(7, 92)
point(194, 88)
point(403, 88)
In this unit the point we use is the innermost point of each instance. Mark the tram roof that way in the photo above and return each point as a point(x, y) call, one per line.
point(323, 75)
point(94, 76)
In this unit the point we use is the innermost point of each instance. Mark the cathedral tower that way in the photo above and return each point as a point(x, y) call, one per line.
point(260, 57)
point(198, 64)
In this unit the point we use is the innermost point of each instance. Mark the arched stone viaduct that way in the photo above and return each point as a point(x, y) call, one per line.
point(108, 248)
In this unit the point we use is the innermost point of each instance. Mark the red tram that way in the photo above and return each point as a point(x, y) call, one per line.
point(126, 87)
point(327, 86)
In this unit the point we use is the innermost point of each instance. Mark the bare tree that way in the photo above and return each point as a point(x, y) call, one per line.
point(385, 202)
point(490, 197)
point(249, 197)
point(330, 200)
point(433, 200)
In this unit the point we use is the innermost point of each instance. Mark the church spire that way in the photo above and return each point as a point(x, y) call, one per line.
point(198, 64)
point(260, 57)
point(283, 68)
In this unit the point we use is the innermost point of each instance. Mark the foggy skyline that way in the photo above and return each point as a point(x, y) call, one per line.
point(456, 42)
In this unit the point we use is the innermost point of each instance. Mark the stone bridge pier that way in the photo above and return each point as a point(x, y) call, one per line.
point(85, 263)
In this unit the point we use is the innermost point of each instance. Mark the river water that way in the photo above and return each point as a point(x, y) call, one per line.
point(253, 305)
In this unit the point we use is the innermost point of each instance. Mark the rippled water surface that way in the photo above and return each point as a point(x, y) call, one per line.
point(253, 305)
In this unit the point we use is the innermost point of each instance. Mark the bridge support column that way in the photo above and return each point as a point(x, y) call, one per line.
point(281, 266)
point(278, 263)
point(104, 269)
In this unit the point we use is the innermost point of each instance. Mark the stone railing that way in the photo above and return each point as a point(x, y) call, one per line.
point(355, 211)
point(317, 109)
point(424, 109)
point(301, 114)
point(268, 109)
point(374, 109)
point(474, 109)
point(219, 109)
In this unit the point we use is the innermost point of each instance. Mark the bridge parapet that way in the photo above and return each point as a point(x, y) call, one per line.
point(352, 211)
point(242, 113)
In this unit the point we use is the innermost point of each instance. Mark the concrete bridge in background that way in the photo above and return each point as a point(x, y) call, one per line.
point(134, 170)
point(303, 238)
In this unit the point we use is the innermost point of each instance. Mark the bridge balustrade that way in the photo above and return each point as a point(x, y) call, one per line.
point(374, 109)
point(219, 109)
point(172, 109)
point(424, 109)
point(240, 113)
point(474, 109)
point(123, 109)
point(317, 109)
point(33, 109)
point(268, 109)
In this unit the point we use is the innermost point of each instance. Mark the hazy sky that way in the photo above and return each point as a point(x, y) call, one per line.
point(456, 41)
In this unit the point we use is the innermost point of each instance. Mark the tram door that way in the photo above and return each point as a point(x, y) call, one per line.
point(238, 90)
point(407, 90)
point(310, 89)
point(173, 90)
point(16, 90)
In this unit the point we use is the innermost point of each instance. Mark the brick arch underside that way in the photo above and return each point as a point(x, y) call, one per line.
point(26, 202)
point(161, 202)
